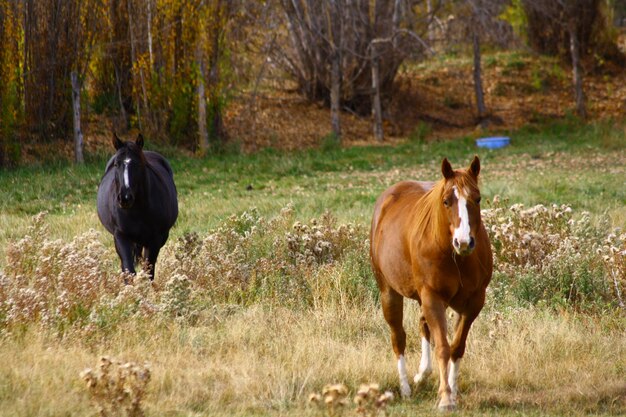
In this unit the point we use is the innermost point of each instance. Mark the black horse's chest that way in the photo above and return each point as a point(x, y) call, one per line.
point(138, 225)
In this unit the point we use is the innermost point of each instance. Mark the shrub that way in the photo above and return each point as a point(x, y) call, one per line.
point(117, 388)
point(249, 258)
point(545, 254)
point(68, 286)
point(54, 282)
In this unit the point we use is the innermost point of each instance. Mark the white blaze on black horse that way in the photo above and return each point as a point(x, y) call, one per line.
point(428, 243)
point(137, 203)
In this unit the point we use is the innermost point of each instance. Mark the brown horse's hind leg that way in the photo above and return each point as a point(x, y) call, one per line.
point(457, 349)
point(392, 303)
point(425, 368)
point(434, 310)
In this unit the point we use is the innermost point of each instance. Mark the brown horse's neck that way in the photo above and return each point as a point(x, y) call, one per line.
point(430, 225)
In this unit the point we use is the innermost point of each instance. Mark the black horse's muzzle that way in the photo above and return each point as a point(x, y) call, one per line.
point(125, 199)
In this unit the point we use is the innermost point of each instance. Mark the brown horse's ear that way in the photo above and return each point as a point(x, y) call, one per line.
point(446, 169)
point(139, 141)
point(475, 166)
point(117, 143)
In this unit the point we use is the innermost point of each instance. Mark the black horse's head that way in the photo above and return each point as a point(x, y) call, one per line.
point(129, 165)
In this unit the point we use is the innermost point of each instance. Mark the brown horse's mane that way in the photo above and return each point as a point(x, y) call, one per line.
point(430, 221)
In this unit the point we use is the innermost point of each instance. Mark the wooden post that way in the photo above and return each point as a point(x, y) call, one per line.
point(78, 134)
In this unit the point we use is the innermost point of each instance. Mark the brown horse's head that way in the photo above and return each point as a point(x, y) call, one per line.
point(130, 166)
point(461, 201)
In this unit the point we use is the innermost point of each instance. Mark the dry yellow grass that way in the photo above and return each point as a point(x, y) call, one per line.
point(266, 361)
point(249, 315)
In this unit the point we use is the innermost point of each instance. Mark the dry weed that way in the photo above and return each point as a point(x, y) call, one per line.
point(333, 399)
point(117, 388)
point(545, 253)
point(369, 401)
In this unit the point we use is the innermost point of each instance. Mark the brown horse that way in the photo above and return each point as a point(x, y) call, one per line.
point(428, 243)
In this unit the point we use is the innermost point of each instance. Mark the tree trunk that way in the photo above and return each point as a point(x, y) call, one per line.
point(202, 129)
point(150, 34)
point(217, 129)
point(577, 72)
point(335, 93)
point(133, 57)
point(123, 114)
point(335, 71)
point(395, 22)
point(203, 134)
point(478, 83)
point(376, 102)
point(26, 71)
point(178, 39)
point(429, 28)
point(78, 134)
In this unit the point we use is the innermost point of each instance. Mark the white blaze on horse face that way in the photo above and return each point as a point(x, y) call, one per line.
point(405, 390)
point(126, 179)
point(453, 375)
point(462, 233)
point(425, 368)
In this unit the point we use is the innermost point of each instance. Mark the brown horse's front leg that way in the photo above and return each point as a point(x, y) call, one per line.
point(434, 310)
point(465, 320)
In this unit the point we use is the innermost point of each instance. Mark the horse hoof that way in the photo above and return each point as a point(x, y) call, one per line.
point(405, 391)
point(421, 378)
point(446, 407)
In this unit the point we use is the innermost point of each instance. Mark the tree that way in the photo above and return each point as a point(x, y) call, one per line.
point(58, 38)
point(329, 51)
point(570, 28)
point(11, 87)
point(558, 18)
point(477, 21)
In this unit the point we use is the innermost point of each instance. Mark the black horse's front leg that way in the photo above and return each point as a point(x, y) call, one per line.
point(124, 248)
point(150, 254)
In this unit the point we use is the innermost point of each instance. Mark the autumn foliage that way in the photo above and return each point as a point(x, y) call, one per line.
point(197, 73)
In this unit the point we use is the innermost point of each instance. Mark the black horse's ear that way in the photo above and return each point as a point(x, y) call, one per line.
point(139, 141)
point(446, 169)
point(475, 166)
point(117, 143)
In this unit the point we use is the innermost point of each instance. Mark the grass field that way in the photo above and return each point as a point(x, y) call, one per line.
point(248, 315)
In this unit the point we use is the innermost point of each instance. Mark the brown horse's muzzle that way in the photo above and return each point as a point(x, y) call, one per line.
point(464, 248)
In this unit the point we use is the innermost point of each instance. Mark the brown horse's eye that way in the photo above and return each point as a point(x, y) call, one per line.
point(447, 202)
point(478, 200)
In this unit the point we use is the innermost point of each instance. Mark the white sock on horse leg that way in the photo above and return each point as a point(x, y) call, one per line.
point(453, 375)
point(404, 380)
point(425, 368)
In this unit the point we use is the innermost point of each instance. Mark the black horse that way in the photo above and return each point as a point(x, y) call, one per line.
point(137, 203)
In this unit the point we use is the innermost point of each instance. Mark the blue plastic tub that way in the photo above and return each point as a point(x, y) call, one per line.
point(493, 142)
